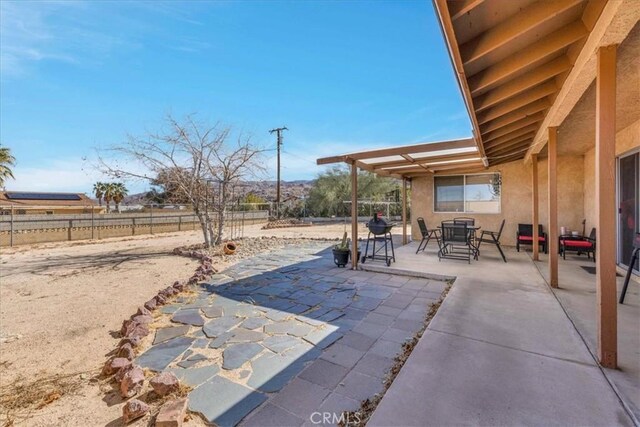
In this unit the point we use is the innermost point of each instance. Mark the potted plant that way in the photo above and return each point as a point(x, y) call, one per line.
point(341, 252)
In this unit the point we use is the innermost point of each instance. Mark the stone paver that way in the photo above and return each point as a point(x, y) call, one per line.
point(290, 329)
point(236, 355)
point(224, 402)
point(188, 316)
point(165, 334)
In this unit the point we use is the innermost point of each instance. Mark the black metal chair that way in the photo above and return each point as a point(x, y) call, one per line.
point(455, 241)
point(524, 236)
point(427, 234)
point(493, 238)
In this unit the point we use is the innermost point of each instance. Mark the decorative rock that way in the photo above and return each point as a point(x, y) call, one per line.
point(179, 286)
point(137, 330)
point(151, 304)
point(134, 341)
point(160, 299)
point(254, 322)
point(172, 413)
point(132, 382)
point(165, 383)
point(123, 371)
point(144, 311)
point(127, 325)
point(114, 365)
point(126, 351)
point(134, 409)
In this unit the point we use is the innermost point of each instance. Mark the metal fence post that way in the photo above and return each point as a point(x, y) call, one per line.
point(69, 229)
point(151, 220)
point(11, 229)
point(179, 222)
point(93, 228)
point(133, 226)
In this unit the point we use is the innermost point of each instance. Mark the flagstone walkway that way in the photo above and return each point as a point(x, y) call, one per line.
point(287, 335)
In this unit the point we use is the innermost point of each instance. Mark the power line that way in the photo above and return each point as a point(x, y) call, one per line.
point(278, 132)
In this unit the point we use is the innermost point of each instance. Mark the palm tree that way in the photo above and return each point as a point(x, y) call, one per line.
point(98, 190)
point(108, 194)
point(6, 162)
point(118, 193)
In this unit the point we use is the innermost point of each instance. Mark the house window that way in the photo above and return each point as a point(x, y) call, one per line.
point(477, 193)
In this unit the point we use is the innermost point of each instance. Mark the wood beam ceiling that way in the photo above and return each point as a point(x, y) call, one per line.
point(537, 96)
point(522, 83)
point(460, 7)
point(526, 20)
point(496, 138)
point(512, 127)
point(536, 52)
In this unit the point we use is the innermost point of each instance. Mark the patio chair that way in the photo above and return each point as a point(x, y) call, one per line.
point(579, 244)
point(524, 236)
point(455, 241)
point(427, 234)
point(493, 238)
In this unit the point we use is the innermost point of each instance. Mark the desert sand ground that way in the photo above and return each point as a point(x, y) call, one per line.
point(62, 305)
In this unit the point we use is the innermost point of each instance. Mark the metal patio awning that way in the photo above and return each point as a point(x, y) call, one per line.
point(415, 160)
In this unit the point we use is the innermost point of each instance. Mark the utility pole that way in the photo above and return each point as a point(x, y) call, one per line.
point(278, 132)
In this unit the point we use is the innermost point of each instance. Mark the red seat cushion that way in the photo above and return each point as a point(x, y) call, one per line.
point(577, 243)
point(530, 238)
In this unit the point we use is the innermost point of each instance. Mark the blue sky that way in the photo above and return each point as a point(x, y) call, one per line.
point(342, 76)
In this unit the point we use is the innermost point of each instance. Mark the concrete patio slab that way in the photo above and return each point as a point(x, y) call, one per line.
point(500, 351)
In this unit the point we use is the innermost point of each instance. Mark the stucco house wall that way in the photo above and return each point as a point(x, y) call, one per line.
point(516, 198)
point(627, 140)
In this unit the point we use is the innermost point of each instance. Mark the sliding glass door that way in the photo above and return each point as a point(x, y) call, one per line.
point(628, 206)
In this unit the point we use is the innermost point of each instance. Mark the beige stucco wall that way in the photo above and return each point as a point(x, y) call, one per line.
point(516, 198)
point(626, 140)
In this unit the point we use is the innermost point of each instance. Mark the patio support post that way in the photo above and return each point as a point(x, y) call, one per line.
point(354, 215)
point(535, 220)
point(606, 290)
point(552, 165)
point(405, 240)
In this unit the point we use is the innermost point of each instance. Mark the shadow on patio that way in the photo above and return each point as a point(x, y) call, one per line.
point(291, 332)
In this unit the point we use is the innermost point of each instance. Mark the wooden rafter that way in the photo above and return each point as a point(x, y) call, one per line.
point(522, 83)
point(513, 117)
point(525, 20)
point(525, 138)
point(534, 53)
point(458, 156)
point(508, 137)
point(526, 125)
point(538, 96)
point(460, 7)
point(512, 149)
point(399, 151)
point(509, 124)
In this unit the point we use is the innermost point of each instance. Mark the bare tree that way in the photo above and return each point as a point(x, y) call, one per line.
point(196, 164)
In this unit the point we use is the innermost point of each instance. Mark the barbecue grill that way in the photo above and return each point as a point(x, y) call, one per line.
point(379, 232)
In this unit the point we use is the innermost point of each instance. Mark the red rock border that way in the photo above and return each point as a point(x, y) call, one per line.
point(130, 377)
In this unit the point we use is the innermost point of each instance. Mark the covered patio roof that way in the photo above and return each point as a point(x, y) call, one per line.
point(415, 160)
point(511, 60)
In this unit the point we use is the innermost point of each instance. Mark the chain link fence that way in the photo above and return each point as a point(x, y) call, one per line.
point(19, 229)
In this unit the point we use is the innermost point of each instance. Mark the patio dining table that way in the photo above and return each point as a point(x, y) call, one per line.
point(473, 230)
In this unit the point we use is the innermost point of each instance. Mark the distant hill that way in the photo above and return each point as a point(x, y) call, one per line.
point(264, 189)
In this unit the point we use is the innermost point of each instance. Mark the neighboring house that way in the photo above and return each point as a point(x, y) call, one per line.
point(24, 202)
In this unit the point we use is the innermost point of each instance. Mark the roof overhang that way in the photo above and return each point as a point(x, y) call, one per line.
point(512, 60)
point(415, 160)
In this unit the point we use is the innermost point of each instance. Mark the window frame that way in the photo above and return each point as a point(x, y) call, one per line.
point(464, 194)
